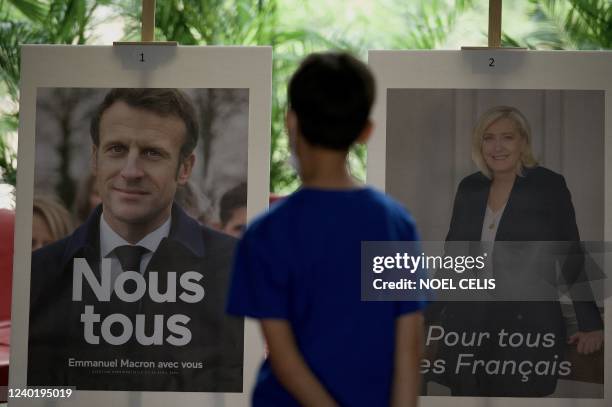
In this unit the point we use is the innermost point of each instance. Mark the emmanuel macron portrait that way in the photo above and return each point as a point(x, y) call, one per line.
point(134, 299)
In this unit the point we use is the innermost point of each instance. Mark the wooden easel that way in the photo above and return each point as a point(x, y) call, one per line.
point(147, 37)
point(147, 32)
point(495, 23)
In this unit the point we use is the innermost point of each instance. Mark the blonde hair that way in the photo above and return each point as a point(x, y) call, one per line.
point(527, 159)
point(55, 215)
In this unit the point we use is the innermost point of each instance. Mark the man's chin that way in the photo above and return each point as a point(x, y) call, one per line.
point(131, 214)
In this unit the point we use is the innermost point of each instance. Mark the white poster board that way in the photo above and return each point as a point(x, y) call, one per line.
point(61, 88)
point(427, 106)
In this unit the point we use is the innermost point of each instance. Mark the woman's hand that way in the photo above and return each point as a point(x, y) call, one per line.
point(587, 342)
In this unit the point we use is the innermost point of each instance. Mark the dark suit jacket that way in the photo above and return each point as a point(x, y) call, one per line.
point(539, 209)
point(57, 333)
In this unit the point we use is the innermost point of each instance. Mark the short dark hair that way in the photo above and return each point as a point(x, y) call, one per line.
point(82, 201)
point(231, 200)
point(164, 102)
point(331, 94)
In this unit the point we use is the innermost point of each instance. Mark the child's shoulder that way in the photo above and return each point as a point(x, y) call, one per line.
point(388, 205)
point(365, 204)
point(276, 216)
point(311, 199)
point(396, 219)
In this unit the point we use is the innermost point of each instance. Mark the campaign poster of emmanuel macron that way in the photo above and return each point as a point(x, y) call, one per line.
point(133, 298)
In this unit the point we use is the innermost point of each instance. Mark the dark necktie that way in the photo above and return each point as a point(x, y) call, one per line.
point(129, 256)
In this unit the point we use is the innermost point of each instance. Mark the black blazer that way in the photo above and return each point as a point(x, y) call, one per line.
point(539, 209)
point(57, 333)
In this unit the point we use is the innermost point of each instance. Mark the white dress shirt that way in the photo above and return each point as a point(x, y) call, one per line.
point(490, 225)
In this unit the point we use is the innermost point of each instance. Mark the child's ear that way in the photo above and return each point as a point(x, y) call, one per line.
point(365, 134)
point(291, 122)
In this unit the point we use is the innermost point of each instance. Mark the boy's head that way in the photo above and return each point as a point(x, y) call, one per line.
point(331, 95)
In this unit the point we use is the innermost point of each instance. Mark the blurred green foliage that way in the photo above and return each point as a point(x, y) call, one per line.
point(293, 28)
point(33, 22)
point(573, 24)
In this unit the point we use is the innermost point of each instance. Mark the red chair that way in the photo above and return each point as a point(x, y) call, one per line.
point(7, 229)
point(275, 198)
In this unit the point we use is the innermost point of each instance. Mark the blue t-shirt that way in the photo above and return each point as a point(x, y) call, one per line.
point(301, 262)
